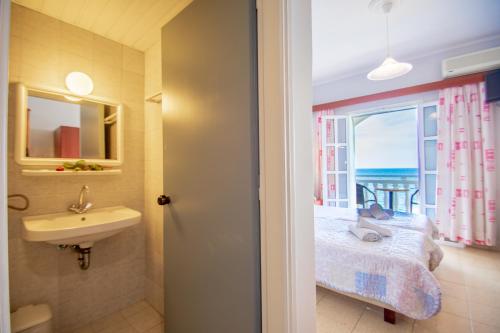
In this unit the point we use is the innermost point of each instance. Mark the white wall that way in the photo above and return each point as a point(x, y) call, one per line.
point(425, 69)
point(4, 85)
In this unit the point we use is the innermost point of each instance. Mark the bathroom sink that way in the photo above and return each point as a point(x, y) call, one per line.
point(79, 229)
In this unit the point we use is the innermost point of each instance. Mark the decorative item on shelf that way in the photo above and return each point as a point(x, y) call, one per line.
point(80, 165)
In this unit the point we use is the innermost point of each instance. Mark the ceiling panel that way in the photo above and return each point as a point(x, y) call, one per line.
point(349, 39)
point(135, 23)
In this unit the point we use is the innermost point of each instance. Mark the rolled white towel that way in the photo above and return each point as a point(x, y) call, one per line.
point(364, 234)
point(364, 223)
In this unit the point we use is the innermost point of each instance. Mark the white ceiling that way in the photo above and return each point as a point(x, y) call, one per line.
point(349, 39)
point(135, 23)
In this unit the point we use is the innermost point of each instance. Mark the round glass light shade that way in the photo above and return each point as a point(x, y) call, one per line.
point(79, 83)
point(389, 69)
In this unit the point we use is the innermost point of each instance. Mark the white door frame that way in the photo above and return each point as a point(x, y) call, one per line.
point(4, 95)
point(285, 126)
point(286, 183)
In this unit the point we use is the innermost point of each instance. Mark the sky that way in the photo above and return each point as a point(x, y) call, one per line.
point(387, 140)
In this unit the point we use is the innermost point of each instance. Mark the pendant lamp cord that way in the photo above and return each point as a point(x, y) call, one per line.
point(387, 34)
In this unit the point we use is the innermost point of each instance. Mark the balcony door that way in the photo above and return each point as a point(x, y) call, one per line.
point(386, 157)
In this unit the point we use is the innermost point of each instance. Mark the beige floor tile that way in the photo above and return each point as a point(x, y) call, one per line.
point(443, 323)
point(145, 319)
point(454, 306)
point(373, 322)
point(338, 311)
point(483, 328)
point(480, 258)
point(485, 314)
point(453, 289)
point(483, 296)
point(327, 324)
point(450, 272)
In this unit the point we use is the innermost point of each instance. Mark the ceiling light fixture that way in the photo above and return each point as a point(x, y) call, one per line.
point(390, 68)
point(79, 83)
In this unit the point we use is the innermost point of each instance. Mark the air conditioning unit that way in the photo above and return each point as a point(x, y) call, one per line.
point(475, 62)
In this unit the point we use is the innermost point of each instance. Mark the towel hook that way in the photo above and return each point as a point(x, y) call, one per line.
point(22, 196)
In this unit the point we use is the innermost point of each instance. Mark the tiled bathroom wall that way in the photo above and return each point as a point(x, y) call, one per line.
point(153, 182)
point(43, 51)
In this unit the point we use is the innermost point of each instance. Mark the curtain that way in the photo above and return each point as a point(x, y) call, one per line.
point(318, 153)
point(466, 166)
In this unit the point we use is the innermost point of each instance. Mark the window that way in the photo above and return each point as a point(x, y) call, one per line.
point(335, 162)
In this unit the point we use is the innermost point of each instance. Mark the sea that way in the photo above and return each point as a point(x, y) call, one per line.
point(392, 173)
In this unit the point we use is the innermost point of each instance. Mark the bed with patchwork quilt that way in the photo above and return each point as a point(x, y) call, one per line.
point(394, 273)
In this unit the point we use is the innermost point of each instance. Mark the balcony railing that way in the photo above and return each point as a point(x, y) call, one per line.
point(401, 200)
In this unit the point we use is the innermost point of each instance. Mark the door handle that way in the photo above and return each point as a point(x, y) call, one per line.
point(163, 200)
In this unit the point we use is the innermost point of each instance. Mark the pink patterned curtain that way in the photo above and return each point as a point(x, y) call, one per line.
point(318, 153)
point(466, 166)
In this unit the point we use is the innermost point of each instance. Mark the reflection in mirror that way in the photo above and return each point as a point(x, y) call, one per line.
point(67, 127)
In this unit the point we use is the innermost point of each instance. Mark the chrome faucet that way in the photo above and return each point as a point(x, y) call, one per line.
point(82, 205)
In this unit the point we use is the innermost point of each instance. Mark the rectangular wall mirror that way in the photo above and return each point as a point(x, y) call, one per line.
point(54, 127)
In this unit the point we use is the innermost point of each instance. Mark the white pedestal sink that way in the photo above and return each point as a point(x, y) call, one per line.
point(79, 229)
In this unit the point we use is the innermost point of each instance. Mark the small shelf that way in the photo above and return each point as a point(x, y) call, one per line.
point(47, 172)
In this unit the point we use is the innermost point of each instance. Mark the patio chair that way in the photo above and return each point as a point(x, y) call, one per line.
point(412, 200)
point(362, 193)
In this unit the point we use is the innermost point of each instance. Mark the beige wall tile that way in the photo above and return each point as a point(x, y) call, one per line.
point(43, 51)
point(133, 60)
point(107, 52)
point(153, 180)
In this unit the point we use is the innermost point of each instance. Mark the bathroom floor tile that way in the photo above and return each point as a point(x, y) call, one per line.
point(135, 308)
point(136, 318)
point(86, 329)
point(157, 329)
point(145, 319)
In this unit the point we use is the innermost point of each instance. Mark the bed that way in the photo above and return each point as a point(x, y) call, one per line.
point(394, 273)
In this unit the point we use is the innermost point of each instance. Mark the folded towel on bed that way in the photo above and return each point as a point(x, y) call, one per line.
point(365, 212)
point(366, 235)
point(378, 212)
point(363, 223)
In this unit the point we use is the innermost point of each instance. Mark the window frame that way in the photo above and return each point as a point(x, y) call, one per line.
point(336, 172)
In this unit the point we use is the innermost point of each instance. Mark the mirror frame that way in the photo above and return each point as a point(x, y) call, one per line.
point(21, 104)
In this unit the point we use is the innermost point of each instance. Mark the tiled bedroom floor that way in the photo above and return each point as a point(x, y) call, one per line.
point(470, 283)
point(137, 318)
